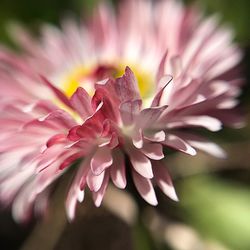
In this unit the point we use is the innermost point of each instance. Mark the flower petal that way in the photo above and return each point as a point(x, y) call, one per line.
point(95, 181)
point(203, 144)
point(98, 196)
point(137, 138)
point(118, 170)
point(161, 68)
point(81, 102)
point(141, 163)
point(58, 93)
point(75, 189)
point(165, 80)
point(175, 142)
point(126, 87)
point(145, 188)
point(101, 160)
point(153, 151)
point(149, 116)
point(155, 137)
point(129, 110)
point(163, 180)
point(205, 121)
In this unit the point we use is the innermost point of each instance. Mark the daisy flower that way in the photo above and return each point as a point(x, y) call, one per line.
point(66, 97)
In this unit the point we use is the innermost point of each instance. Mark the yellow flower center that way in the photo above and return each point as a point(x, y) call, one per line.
point(86, 76)
point(78, 77)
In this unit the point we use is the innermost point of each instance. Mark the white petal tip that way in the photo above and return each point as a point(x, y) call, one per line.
point(122, 186)
point(149, 176)
point(174, 197)
point(80, 197)
point(70, 215)
point(97, 203)
point(138, 144)
point(154, 203)
point(192, 152)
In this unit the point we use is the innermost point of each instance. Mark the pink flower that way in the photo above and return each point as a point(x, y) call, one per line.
point(63, 100)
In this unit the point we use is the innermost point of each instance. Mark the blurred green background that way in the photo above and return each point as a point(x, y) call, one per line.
point(214, 207)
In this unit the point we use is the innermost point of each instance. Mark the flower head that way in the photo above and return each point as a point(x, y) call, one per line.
point(68, 98)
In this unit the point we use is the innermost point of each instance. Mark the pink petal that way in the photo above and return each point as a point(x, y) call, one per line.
point(153, 151)
point(70, 160)
point(118, 170)
point(72, 134)
point(176, 65)
point(141, 163)
point(58, 93)
point(76, 190)
point(126, 87)
point(137, 138)
point(162, 85)
point(145, 188)
point(161, 68)
point(203, 144)
point(109, 107)
point(71, 205)
point(92, 126)
point(175, 142)
point(81, 102)
point(129, 110)
point(101, 160)
point(209, 147)
point(164, 181)
point(55, 139)
point(56, 118)
point(23, 203)
point(95, 181)
point(149, 116)
point(207, 122)
point(155, 137)
point(98, 196)
point(112, 141)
